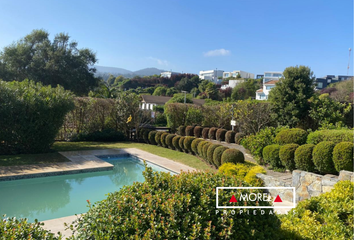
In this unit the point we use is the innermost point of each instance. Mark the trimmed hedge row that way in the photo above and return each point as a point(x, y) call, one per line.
point(335, 136)
point(198, 131)
point(293, 135)
point(230, 137)
point(220, 134)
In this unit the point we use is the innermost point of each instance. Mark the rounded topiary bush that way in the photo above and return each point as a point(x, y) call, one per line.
point(195, 144)
point(205, 150)
point(271, 155)
point(198, 131)
point(158, 138)
point(181, 144)
point(212, 133)
point(210, 152)
point(343, 156)
point(230, 137)
point(217, 155)
point(303, 158)
point(189, 131)
point(205, 133)
point(181, 130)
point(146, 135)
point(293, 135)
point(151, 137)
point(232, 156)
point(220, 134)
point(200, 148)
point(287, 155)
point(169, 139)
point(239, 136)
point(175, 143)
point(163, 140)
point(322, 157)
point(187, 143)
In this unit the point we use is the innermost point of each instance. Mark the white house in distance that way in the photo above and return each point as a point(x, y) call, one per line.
point(211, 75)
point(272, 75)
point(263, 93)
point(168, 74)
point(233, 83)
point(234, 74)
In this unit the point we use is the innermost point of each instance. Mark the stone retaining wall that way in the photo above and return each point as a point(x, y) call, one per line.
point(306, 184)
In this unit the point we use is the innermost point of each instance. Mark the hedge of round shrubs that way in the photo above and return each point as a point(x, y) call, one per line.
point(220, 134)
point(181, 144)
point(210, 153)
point(175, 143)
point(212, 133)
point(200, 148)
point(205, 150)
point(293, 135)
point(271, 155)
point(158, 138)
point(343, 156)
point(189, 131)
point(303, 158)
point(181, 130)
point(230, 137)
point(187, 143)
point(239, 136)
point(287, 155)
point(218, 154)
point(169, 139)
point(198, 131)
point(232, 156)
point(195, 144)
point(322, 157)
point(335, 136)
point(146, 135)
point(151, 137)
point(163, 139)
point(205, 133)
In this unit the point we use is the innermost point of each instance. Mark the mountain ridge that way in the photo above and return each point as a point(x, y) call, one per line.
point(104, 70)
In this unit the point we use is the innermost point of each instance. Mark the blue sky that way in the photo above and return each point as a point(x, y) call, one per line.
point(190, 36)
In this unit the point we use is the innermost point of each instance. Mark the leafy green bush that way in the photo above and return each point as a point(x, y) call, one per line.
point(335, 136)
point(13, 228)
point(217, 155)
point(198, 131)
point(287, 155)
point(175, 142)
point(200, 148)
point(328, 216)
point(195, 144)
point(212, 133)
point(293, 135)
point(189, 131)
point(187, 143)
point(271, 155)
point(303, 158)
point(152, 136)
point(163, 139)
point(181, 130)
point(169, 139)
point(322, 157)
point(239, 136)
point(205, 133)
point(246, 171)
point(31, 116)
point(220, 134)
point(146, 135)
point(175, 207)
point(233, 156)
point(230, 137)
point(181, 144)
point(205, 150)
point(210, 152)
point(343, 156)
point(107, 135)
point(158, 138)
point(251, 176)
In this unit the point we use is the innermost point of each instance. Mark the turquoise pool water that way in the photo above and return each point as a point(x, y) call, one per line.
point(46, 198)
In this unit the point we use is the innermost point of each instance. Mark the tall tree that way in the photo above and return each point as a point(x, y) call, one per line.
point(290, 96)
point(58, 62)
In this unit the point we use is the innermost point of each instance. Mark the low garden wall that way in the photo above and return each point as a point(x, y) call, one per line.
point(306, 184)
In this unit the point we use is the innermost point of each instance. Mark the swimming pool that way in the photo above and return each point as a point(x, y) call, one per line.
point(52, 197)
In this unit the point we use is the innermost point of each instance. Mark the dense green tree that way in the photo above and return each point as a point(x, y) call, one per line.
point(203, 85)
point(160, 91)
point(171, 91)
point(211, 91)
point(104, 90)
point(187, 84)
point(246, 89)
point(290, 96)
point(51, 62)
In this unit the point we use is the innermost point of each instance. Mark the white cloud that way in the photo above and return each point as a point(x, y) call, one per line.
point(217, 52)
point(159, 61)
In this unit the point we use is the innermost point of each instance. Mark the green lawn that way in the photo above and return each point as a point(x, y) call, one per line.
point(184, 158)
point(24, 159)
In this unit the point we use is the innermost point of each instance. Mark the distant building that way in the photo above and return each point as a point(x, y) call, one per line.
point(270, 76)
point(321, 83)
point(259, 76)
point(148, 102)
point(234, 74)
point(263, 93)
point(168, 74)
point(233, 83)
point(211, 75)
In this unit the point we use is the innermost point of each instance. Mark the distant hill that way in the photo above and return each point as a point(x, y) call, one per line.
point(112, 70)
point(106, 71)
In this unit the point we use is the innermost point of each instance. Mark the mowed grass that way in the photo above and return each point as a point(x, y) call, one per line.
point(25, 159)
point(181, 157)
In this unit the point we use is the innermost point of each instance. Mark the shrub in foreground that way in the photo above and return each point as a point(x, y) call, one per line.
point(169, 139)
point(212, 133)
point(293, 135)
point(195, 144)
point(335, 136)
point(343, 156)
point(181, 144)
point(158, 138)
point(303, 158)
point(205, 133)
point(271, 155)
point(238, 137)
point(246, 171)
point(175, 143)
point(146, 135)
point(233, 156)
point(163, 139)
point(198, 131)
point(200, 148)
point(189, 131)
point(322, 157)
point(287, 155)
point(151, 137)
point(210, 152)
point(171, 207)
point(328, 216)
point(230, 137)
point(220, 134)
point(205, 150)
point(187, 143)
point(217, 155)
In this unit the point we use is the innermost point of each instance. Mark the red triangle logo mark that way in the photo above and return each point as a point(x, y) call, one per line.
point(278, 199)
point(233, 199)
